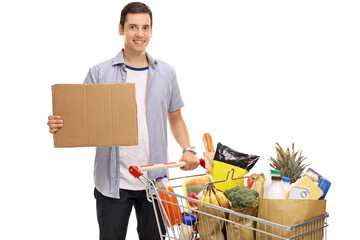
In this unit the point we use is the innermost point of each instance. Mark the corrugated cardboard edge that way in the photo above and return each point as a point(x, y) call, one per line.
point(53, 100)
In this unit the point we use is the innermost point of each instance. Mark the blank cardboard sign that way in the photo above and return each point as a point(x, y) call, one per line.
point(95, 114)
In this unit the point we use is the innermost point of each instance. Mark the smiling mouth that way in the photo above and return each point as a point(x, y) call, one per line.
point(139, 42)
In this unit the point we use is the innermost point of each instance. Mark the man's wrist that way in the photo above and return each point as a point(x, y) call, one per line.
point(190, 149)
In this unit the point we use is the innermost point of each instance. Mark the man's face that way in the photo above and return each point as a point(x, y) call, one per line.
point(137, 32)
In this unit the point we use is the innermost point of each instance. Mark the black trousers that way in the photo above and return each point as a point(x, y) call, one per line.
point(113, 215)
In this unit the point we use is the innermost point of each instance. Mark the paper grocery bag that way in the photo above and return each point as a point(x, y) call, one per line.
point(211, 223)
point(241, 228)
point(290, 212)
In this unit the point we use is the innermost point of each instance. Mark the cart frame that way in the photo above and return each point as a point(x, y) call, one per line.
point(216, 218)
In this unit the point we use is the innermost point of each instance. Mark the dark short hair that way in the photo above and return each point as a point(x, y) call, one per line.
point(135, 7)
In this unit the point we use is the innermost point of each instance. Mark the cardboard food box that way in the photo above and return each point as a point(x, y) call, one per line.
point(95, 114)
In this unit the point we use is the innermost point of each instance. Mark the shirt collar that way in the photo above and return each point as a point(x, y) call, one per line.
point(119, 59)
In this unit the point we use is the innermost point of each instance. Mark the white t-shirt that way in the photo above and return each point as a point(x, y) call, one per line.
point(136, 155)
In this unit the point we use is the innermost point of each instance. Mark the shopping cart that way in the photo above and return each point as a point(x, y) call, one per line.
point(215, 222)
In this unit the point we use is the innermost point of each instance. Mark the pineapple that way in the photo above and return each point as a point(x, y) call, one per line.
point(290, 164)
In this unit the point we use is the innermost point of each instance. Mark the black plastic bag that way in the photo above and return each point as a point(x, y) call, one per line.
point(227, 155)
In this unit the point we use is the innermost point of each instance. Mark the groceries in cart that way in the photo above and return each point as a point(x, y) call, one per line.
point(288, 167)
point(187, 227)
point(194, 188)
point(227, 158)
point(214, 196)
point(283, 205)
point(241, 197)
point(228, 170)
point(319, 180)
point(209, 152)
point(169, 202)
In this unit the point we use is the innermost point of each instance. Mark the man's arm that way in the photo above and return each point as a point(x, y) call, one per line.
point(181, 135)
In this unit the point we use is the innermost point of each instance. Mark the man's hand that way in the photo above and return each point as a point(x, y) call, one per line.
point(191, 161)
point(55, 123)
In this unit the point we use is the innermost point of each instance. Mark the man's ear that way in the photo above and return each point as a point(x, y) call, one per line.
point(121, 30)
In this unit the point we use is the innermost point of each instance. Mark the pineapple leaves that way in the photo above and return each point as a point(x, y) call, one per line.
point(289, 163)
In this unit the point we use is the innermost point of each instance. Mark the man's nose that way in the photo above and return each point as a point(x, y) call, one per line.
point(140, 32)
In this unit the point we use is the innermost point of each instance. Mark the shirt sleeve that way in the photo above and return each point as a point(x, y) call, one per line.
point(91, 77)
point(176, 101)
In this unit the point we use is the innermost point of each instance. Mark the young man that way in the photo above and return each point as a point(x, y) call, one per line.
point(158, 100)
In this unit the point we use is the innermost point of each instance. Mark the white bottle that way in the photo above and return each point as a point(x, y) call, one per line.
point(187, 228)
point(276, 190)
point(268, 181)
point(267, 185)
point(286, 183)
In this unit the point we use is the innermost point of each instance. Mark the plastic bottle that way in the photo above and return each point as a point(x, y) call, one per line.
point(268, 181)
point(169, 202)
point(275, 172)
point(267, 185)
point(276, 190)
point(187, 227)
point(286, 183)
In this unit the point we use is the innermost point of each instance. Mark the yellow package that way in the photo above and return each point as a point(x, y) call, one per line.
point(305, 182)
point(219, 172)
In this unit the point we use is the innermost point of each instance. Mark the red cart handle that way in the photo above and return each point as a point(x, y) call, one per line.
point(136, 171)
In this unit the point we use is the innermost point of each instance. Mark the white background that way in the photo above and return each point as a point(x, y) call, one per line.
point(252, 73)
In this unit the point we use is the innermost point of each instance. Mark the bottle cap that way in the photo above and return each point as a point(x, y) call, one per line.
point(276, 178)
point(189, 219)
point(286, 179)
point(159, 178)
point(275, 172)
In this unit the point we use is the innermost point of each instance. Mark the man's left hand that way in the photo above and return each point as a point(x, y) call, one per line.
point(191, 161)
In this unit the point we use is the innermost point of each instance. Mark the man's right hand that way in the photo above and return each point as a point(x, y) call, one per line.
point(55, 123)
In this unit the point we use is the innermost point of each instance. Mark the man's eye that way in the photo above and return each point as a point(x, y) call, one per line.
point(132, 27)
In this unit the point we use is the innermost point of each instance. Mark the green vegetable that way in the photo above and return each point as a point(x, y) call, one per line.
point(241, 197)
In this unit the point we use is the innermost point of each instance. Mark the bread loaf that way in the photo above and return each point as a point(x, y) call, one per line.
point(208, 142)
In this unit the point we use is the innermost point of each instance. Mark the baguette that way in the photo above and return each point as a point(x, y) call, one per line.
point(209, 147)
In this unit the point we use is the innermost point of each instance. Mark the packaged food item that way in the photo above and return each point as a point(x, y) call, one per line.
point(286, 183)
point(276, 189)
point(209, 151)
point(268, 181)
point(209, 147)
point(225, 159)
point(319, 180)
point(267, 185)
point(242, 160)
point(258, 184)
point(299, 193)
point(169, 202)
point(187, 227)
point(305, 182)
point(194, 187)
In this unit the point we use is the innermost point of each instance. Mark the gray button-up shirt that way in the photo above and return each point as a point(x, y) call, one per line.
point(162, 96)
